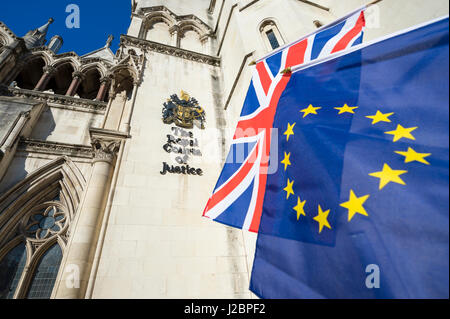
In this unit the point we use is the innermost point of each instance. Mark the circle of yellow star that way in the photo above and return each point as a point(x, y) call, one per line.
point(286, 161)
point(402, 132)
point(289, 131)
point(288, 188)
point(310, 110)
point(300, 208)
point(380, 117)
point(388, 175)
point(411, 156)
point(355, 205)
point(346, 109)
point(322, 219)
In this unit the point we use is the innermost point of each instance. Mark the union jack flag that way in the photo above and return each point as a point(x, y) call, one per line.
point(237, 199)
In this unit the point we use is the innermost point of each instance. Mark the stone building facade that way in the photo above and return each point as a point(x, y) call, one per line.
point(98, 196)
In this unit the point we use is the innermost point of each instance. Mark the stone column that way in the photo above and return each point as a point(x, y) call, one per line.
point(114, 114)
point(84, 237)
point(128, 110)
point(205, 41)
point(105, 82)
point(77, 78)
point(7, 51)
point(45, 78)
point(174, 32)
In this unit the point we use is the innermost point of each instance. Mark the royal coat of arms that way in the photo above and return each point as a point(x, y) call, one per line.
point(183, 111)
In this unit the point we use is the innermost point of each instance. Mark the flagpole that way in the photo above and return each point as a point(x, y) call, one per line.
point(316, 31)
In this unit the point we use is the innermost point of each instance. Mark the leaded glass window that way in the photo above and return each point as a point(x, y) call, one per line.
point(11, 268)
point(30, 268)
point(45, 274)
point(272, 39)
point(271, 35)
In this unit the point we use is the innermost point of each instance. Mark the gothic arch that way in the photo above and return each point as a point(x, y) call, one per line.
point(91, 66)
point(124, 79)
point(270, 34)
point(90, 83)
point(69, 60)
point(159, 16)
point(191, 35)
point(62, 76)
point(45, 56)
point(36, 214)
point(192, 25)
point(30, 70)
point(164, 20)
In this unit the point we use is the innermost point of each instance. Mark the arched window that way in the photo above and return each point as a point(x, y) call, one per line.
point(30, 261)
point(271, 35)
point(11, 268)
point(44, 277)
point(190, 40)
point(35, 216)
point(123, 82)
point(61, 79)
point(90, 85)
point(31, 73)
point(159, 32)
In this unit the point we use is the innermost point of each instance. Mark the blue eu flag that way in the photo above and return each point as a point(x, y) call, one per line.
point(359, 207)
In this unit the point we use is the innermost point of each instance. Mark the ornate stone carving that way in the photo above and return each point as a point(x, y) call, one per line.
point(49, 69)
point(126, 40)
point(79, 75)
point(56, 100)
point(54, 148)
point(183, 111)
point(105, 150)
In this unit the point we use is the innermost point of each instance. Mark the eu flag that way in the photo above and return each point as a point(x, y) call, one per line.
point(359, 206)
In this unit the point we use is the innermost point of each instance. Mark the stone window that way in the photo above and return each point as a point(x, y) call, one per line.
point(31, 73)
point(271, 35)
point(31, 258)
point(272, 39)
point(159, 32)
point(190, 40)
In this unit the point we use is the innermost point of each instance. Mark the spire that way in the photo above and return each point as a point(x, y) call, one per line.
point(109, 41)
point(36, 38)
point(43, 30)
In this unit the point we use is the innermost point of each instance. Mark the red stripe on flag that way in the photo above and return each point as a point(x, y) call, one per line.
point(234, 182)
point(264, 77)
point(254, 226)
point(296, 53)
point(343, 43)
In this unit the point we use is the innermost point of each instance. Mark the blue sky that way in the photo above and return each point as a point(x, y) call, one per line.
point(98, 19)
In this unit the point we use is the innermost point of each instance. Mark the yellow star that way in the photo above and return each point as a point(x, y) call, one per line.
point(355, 205)
point(286, 161)
point(411, 156)
point(300, 208)
point(380, 117)
point(346, 109)
point(288, 188)
point(401, 132)
point(388, 175)
point(310, 110)
point(322, 219)
point(289, 131)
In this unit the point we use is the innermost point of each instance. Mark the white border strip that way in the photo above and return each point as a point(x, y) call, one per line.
point(364, 45)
